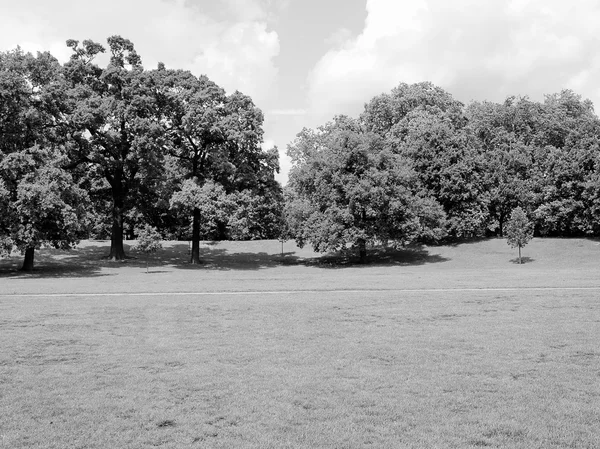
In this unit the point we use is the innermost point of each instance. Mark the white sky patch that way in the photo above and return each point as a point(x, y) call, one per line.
point(285, 163)
point(287, 112)
point(267, 144)
point(476, 50)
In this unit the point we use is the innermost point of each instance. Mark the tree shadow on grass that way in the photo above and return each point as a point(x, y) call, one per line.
point(378, 256)
point(89, 260)
point(54, 263)
point(524, 260)
point(214, 258)
point(455, 242)
point(221, 259)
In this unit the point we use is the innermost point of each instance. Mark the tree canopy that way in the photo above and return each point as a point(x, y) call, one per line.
point(40, 202)
point(214, 141)
point(347, 189)
point(112, 117)
point(96, 150)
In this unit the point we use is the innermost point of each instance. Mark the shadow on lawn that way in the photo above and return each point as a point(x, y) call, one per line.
point(54, 263)
point(221, 259)
point(379, 256)
point(524, 260)
point(88, 261)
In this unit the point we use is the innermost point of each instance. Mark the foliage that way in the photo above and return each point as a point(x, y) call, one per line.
point(80, 142)
point(220, 169)
point(519, 230)
point(346, 188)
point(112, 118)
point(40, 202)
point(241, 215)
point(256, 216)
point(210, 200)
point(426, 125)
point(148, 240)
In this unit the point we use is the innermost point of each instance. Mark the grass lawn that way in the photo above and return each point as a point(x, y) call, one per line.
point(439, 347)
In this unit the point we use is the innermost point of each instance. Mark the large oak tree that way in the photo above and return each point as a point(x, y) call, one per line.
point(113, 120)
point(214, 141)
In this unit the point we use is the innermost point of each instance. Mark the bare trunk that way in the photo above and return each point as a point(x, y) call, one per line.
point(196, 237)
point(362, 251)
point(520, 254)
point(117, 251)
point(28, 262)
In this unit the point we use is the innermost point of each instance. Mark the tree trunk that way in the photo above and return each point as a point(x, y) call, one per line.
point(221, 230)
point(520, 254)
point(117, 251)
point(196, 237)
point(28, 262)
point(362, 251)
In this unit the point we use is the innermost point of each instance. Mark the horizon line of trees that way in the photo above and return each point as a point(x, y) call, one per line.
point(418, 165)
point(91, 152)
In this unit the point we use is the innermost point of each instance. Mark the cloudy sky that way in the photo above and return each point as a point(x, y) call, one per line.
point(303, 61)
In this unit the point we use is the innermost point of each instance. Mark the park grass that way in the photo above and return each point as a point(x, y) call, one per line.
point(442, 347)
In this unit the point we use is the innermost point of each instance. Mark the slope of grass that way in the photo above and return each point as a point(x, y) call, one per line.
point(342, 356)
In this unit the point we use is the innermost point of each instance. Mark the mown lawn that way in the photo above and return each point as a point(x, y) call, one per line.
point(447, 347)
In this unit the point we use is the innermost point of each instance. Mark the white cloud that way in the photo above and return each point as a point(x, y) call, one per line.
point(240, 58)
point(236, 53)
point(474, 49)
point(287, 112)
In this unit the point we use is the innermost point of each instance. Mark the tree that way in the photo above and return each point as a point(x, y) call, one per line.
point(255, 215)
point(148, 242)
point(40, 204)
point(567, 166)
point(519, 230)
point(449, 166)
point(388, 111)
point(215, 141)
point(425, 125)
point(191, 111)
point(506, 138)
point(346, 188)
point(113, 124)
point(211, 203)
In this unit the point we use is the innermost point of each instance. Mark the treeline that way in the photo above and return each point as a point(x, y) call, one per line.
point(89, 151)
point(419, 165)
point(95, 152)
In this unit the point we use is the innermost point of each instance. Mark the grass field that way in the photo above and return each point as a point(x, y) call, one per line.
point(439, 347)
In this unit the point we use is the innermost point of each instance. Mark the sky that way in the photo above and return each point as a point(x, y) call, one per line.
point(304, 61)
